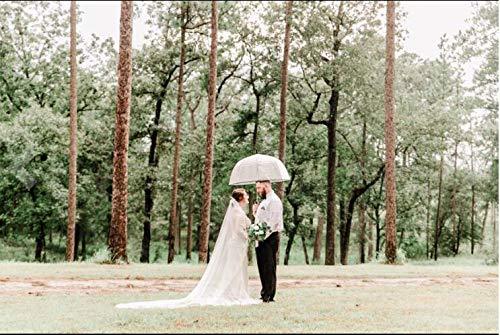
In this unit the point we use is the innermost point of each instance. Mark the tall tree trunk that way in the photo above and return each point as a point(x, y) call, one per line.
point(362, 206)
point(148, 207)
point(178, 243)
point(284, 89)
point(209, 148)
point(495, 247)
point(78, 235)
point(427, 224)
point(459, 232)
point(293, 231)
point(318, 239)
point(70, 239)
point(473, 204)
point(378, 228)
point(453, 200)
point(189, 232)
point(330, 198)
point(484, 223)
point(437, 228)
point(370, 241)
point(304, 247)
point(362, 231)
point(378, 234)
point(472, 223)
point(390, 139)
point(178, 122)
point(40, 243)
point(118, 229)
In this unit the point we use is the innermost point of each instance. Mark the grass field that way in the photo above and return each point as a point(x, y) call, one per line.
point(450, 296)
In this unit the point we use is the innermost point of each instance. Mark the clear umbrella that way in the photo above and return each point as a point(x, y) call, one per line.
point(258, 167)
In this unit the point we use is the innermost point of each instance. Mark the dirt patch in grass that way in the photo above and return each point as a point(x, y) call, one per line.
point(39, 287)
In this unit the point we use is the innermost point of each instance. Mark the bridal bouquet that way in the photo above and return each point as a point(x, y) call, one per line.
point(258, 230)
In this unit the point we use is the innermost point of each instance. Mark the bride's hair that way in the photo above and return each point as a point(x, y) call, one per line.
point(238, 194)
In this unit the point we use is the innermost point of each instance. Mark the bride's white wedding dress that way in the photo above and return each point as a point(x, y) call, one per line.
point(225, 280)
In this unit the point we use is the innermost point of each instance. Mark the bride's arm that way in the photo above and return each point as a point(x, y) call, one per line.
point(241, 229)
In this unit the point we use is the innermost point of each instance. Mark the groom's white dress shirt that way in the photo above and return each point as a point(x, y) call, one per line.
point(270, 211)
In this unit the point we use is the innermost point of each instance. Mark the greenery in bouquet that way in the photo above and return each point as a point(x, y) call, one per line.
point(258, 230)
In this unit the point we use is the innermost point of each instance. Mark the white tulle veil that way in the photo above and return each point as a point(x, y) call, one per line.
point(225, 280)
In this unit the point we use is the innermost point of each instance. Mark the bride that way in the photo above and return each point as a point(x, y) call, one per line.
point(225, 280)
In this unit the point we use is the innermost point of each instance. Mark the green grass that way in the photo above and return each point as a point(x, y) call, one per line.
point(86, 270)
point(440, 307)
point(377, 309)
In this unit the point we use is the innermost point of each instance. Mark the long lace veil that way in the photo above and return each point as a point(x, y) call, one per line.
point(214, 281)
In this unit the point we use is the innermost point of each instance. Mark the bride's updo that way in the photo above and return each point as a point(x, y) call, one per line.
point(238, 194)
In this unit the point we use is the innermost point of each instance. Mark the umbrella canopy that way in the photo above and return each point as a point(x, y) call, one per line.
point(258, 167)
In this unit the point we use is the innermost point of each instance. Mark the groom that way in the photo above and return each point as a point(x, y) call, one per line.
point(270, 211)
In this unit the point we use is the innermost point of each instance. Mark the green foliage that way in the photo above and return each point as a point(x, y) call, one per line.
point(434, 111)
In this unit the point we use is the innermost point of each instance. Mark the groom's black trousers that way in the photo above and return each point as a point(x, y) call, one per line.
point(266, 252)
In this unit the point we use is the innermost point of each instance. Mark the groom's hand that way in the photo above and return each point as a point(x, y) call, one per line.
point(254, 208)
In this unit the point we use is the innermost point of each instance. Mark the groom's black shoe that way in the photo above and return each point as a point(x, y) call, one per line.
point(265, 299)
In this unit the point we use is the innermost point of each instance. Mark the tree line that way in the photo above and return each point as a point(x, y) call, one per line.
point(361, 124)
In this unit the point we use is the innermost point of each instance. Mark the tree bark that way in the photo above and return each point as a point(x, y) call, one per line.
point(40, 243)
point(472, 224)
point(370, 242)
point(70, 239)
point(362, 231)
point(118, 229)
point(484, 223)
point(304, 247)
point(453, 201)
point(459, 232)
point(495, 247)
point(178, 243)
point(318, 239)
point(178, 122)
point(427, 224)
point(378, 228)
point(284, 88)
point(207, 172)
point(78, 235)
point(293, 231)
point(390, 139)
point(189, 233)
point(437, 229)
point(362, 206)
point(330, 199)
point(148, 207)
